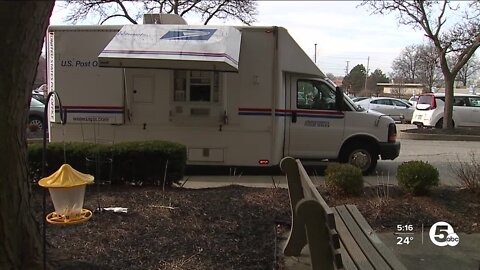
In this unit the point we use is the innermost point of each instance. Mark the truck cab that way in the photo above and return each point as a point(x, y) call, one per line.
point(324, 122)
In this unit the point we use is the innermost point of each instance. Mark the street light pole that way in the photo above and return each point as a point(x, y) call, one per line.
point(366, 73)
point(315, 55)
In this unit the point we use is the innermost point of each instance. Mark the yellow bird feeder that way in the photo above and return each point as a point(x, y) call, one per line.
point(67, 190)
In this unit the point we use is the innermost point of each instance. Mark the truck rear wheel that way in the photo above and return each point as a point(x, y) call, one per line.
point(360, 155)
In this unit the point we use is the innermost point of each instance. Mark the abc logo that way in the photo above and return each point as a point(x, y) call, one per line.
point(442, 234)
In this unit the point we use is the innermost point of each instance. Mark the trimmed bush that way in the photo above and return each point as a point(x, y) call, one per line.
point(345, 178)
point(417, 177)
point(128, 162)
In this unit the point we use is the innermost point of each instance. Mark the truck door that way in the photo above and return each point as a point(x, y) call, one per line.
point(143, 98)
point(314, 125)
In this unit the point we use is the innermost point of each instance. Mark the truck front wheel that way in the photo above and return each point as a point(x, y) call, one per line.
point(360, 155)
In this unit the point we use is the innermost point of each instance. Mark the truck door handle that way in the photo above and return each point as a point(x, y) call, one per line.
point(294, 117)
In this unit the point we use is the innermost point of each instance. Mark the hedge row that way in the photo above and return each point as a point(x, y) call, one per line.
point(126, 162)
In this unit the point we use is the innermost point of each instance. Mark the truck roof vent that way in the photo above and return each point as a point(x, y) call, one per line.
point(163, 19)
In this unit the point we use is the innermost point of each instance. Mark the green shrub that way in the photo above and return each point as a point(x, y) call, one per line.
point(121, 162)
point(417, 177)
point(345, 178)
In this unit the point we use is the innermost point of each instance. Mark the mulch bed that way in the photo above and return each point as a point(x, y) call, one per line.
point(232, 227)
point(220, 228)
point(385, 207)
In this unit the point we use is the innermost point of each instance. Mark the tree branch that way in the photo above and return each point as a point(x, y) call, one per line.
point(112, 16)
point(125, 12)
point(192, 6)
point(219, 7)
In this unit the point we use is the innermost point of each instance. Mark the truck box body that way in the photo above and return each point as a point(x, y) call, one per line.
point(246, 103)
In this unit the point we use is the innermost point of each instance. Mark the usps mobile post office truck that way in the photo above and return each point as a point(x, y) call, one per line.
point(235, 96)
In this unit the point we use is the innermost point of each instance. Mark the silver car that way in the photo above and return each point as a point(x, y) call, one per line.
point(36, 115)
point(398, 109)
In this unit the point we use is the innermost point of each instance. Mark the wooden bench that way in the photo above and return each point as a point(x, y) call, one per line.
point(338, 237)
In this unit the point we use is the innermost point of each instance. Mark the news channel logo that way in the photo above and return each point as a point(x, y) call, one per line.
point(442, 234)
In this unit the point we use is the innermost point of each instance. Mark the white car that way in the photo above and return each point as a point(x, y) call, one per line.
point(429, 110)
point(398, 109)
point(413, 100)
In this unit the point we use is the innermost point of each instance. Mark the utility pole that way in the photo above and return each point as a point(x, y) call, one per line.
point(315, 55)
point(346, 69)
point(366, 73)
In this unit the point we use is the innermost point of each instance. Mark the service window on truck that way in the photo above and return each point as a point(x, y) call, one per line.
point(196, 86)
point(196, 94)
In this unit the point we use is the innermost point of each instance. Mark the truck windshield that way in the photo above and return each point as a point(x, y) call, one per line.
point(355, 106)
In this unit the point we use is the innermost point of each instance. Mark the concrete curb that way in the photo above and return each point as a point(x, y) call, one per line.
point(404, 134)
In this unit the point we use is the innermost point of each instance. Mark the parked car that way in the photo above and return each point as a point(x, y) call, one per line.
point(429, 110)
point(36, 115)
point(413, 100)
point(357, 99)
point(39, 96)
point(398, 109)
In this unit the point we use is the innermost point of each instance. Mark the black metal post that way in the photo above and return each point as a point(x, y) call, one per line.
point(63, 119)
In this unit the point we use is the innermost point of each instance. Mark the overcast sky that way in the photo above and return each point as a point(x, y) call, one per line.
point(342, 31)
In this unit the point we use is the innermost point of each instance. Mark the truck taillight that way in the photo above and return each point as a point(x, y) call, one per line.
point(263, 161)
point(392, 132)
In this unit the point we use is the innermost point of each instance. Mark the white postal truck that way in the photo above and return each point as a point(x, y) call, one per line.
point(235, 96)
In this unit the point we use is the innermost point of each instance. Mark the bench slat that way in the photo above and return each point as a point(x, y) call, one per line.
point(350, 245)
point(363, 242)
point(384, 251)
point(346, 260)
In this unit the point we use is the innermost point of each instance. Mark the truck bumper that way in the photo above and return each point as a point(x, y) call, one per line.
point(389, 150)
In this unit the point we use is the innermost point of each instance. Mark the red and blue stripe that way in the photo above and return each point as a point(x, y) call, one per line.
point(288, 113)
point(174, 53)
point(93, 109)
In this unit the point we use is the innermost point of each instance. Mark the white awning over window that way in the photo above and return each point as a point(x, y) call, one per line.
point(174, 47)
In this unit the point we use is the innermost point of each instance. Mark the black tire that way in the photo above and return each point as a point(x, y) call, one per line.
point(35, 121)
point(361, 155)
point(439, 124)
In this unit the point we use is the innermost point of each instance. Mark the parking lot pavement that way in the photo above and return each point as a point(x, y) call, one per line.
point(405, 126)
point(441, 154)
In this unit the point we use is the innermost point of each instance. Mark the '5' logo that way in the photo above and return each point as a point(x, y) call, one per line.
point(442, 234)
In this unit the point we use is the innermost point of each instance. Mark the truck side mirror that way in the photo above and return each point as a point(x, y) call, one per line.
point(339, 99)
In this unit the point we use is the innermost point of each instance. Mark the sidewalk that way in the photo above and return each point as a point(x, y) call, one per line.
point(415, 256)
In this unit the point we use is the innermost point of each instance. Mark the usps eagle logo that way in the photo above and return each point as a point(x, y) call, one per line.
point(189, 34)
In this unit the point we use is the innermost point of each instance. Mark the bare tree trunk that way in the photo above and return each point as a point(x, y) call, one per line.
point(448, 108)
point(23, 28)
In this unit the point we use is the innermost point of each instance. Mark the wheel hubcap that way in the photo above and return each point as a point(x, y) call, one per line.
point(37, 123)
point(360, 159)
